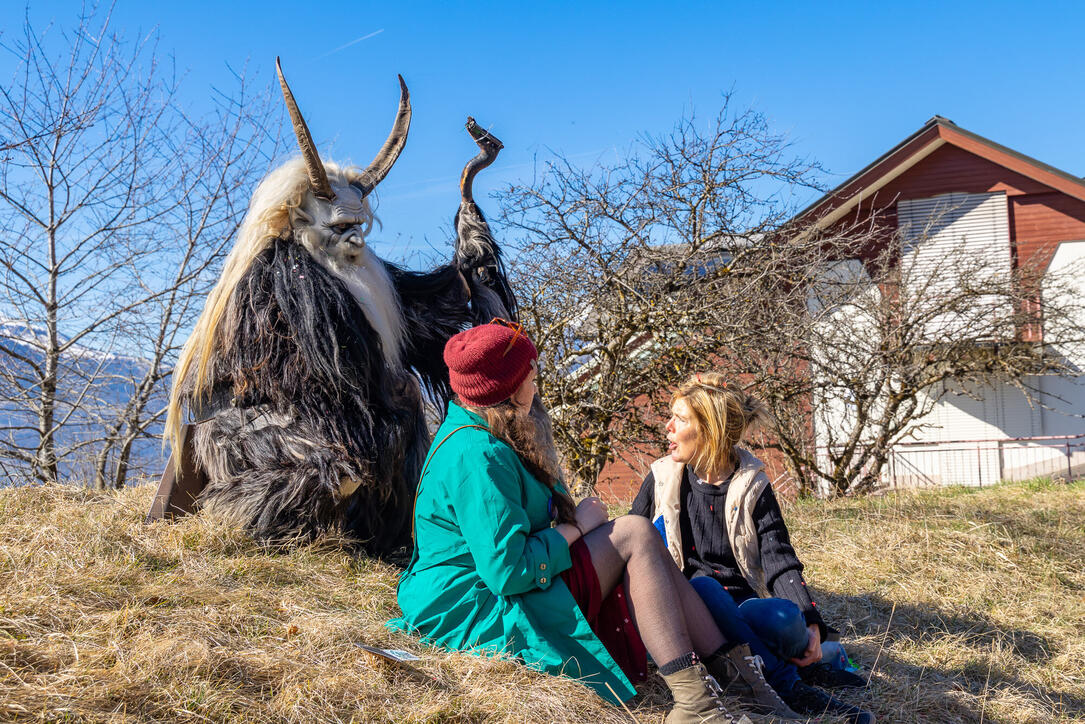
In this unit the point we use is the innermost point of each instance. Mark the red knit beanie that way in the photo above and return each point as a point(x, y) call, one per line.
point(483, 368)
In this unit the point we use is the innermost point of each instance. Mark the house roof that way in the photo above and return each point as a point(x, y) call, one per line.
point(934, 134)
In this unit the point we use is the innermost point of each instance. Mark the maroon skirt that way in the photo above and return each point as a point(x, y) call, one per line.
point(608, 617)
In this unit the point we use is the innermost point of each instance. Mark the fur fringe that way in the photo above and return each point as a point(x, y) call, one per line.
point(303, 359)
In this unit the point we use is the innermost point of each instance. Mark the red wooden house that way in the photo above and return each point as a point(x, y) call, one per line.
point(1012, 207)
point(1045, 206)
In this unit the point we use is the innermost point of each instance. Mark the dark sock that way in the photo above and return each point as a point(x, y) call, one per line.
point(722, 650)
point(682, 662)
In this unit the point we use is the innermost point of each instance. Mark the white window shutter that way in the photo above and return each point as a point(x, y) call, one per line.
point(946, 239)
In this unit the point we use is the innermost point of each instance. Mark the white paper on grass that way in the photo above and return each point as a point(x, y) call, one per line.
point(391, 654)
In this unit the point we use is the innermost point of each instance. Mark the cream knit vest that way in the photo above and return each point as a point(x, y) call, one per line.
point(746, 486)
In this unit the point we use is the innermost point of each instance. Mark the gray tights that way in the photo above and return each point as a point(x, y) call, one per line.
point(668, 613)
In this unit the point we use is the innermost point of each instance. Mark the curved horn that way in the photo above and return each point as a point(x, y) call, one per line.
point(393, 146)
point(488, 148)
point(318, 177)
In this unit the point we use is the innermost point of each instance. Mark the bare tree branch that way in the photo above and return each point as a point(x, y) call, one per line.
point(119, 203)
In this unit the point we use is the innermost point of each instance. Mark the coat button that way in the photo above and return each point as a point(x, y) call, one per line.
point(542, 566)
point(542, 580)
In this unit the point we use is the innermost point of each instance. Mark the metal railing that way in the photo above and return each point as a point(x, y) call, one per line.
point(984, 462)
point(981, 462)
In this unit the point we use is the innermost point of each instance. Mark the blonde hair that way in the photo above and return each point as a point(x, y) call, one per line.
point(722, 415)
point(267, 219)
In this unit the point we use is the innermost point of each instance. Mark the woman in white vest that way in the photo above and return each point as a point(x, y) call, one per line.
point(713, 504)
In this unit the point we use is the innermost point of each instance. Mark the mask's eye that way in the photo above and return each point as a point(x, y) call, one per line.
point(341, 228)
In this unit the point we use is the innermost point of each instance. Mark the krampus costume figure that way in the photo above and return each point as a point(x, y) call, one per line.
point(303, 377)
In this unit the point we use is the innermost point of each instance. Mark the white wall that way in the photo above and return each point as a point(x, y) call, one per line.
point(934, 452)
point(968, 439)
point(1065, 286)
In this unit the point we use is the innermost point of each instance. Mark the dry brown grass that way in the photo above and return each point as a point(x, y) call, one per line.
point(104, 619)
point(972, 601)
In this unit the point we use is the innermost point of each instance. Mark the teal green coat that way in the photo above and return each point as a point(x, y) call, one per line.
point(486, 572)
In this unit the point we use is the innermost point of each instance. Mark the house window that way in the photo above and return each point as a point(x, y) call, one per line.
point(950, 243)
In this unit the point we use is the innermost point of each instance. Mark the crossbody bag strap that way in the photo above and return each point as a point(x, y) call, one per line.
point(426, 467)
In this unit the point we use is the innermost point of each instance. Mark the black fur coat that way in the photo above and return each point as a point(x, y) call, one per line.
point(315, 431)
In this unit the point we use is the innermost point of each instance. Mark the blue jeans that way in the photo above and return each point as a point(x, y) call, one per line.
point(778, 623)
point(773, 628)
point(767, 629)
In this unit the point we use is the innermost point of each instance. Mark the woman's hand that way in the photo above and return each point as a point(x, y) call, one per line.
point(812, 655)
point(590, 514)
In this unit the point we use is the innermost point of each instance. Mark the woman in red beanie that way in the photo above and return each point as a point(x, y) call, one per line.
point(504, 561)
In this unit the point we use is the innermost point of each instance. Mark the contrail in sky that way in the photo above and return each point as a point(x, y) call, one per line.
point(356, 40)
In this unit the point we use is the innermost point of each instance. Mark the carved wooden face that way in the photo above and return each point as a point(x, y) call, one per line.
point(334, 233)
point(335, 228)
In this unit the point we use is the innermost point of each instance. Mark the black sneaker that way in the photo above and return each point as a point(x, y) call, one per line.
point(827, 677)
point(808, 701)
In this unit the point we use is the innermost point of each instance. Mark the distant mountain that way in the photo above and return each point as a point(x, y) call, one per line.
point(93, 387)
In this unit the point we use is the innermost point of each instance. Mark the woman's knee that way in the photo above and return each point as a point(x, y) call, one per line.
point(708, 587)
point(714, 595)
point(778, 621)
point(635, 532)
point(779, 610)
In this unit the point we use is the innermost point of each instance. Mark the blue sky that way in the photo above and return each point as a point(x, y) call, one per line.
point(845, 81)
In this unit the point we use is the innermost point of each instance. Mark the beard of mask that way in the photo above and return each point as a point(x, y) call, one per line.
point(334, 234)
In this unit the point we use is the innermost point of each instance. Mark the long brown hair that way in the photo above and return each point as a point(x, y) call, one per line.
point(723, 414)
point(518, 431)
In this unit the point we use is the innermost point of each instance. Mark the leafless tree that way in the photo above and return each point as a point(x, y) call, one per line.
point(623, 271)
point(685, 257)
point(886, 333)
point(116, 204)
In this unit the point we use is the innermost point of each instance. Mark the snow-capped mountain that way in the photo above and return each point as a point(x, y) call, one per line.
point(94, 386)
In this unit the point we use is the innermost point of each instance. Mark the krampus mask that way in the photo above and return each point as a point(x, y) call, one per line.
point(297, 403)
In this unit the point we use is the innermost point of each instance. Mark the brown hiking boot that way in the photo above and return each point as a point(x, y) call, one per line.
point(742, 674)
point(697, 698)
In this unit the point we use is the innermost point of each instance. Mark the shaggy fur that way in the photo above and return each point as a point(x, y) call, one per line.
point(434, 307)
point(308, 364)
point(309, 361)
point(316, 411)
point(478, 255)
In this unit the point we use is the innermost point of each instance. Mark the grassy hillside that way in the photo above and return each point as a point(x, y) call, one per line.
point(970, 605)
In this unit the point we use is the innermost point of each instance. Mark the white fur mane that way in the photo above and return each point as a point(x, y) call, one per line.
point(371, 286)
point(268, 218)
point(285, 188)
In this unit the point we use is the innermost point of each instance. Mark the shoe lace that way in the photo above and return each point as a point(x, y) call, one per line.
point(757, 665)
point(714, 690)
